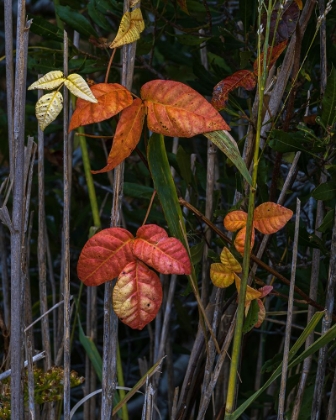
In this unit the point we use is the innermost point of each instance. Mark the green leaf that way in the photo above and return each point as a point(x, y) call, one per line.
point(224, 143)
point(97, 16)
point(91, 351)
point(320, 342)
point(216, 60)
point(284, 142)
point(76, 21)
point(183, 161)
point(190, 40)
point(252, 316)
point(196, 253)
point(327, 222)
point(45, 29)
point(328, 116)
point(325, 191)
point(132, 189)
point(165, 186)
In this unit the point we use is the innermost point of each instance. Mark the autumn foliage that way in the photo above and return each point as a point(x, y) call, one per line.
point(115, 252)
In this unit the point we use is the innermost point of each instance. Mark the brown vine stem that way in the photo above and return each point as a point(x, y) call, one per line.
point(254, 258)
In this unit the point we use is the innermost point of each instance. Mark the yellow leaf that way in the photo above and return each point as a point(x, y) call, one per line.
point(220, 275)
point(251, 293)
point(130, 28)
point(51, 80)
point(78, 86)
point(48, 107)
point(229, 261)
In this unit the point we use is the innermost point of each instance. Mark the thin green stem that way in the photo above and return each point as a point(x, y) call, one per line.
point(262, 75)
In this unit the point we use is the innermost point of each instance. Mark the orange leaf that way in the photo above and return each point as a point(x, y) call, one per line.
point(235, 220)
point(112, 98)
point(270, 217)
point(239, 241)
point(127, 135)
point(261, 314)
point(175, 109)
point(241, 78)
point(276, 52)
point(220, 275)
point(183, 5)
point(104, 256)
point(229, 261)
point(251, 293)
point(166, 255)
point(137, 295)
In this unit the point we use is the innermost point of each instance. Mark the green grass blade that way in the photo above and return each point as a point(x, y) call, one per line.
point(91, 351)
point(226, 144)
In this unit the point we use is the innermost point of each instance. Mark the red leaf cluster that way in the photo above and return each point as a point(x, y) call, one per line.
point(172, 109)
point(115, 252)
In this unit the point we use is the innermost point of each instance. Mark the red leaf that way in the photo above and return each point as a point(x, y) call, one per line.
point(137, 295)
point(166, 255)
point(112, 98)
point(104, 256)
point(276, 52)
point(151, 233)
point(127, 135)
point(265, 290)
point(270, 217)
point(176, 110)
point(241, 78)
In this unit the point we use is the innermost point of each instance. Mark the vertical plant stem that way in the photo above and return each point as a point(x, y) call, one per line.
point(262, 75)
point(66, 237)
point(4, 276)
point(17, 214)
point(282, 394)
point(326, 322)
point(9, 80)
point(41, 248)
point(110, 319)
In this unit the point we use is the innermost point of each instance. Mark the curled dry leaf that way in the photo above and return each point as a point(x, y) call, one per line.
point(241, 78)
point(261, 313)
point(49, 81)
point(104, 256)
point(167, 255)
point(235, 220)
point(239, 241)
point(175, 109)
point(127, 135)
point(48, 107)
point(275, 52)
point(220, 275)
point(137, 295)
point(78, 86)
point(270, 217)
point(130, 28)
point(112, 98)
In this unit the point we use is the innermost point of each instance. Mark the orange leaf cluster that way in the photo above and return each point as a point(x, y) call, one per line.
point(115, 252)
point(268, 218)
point(172, 109)
point(223, 274)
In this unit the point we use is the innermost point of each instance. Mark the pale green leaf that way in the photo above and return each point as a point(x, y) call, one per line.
point(78, 86)
point(49, 81)
point(48, 107)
